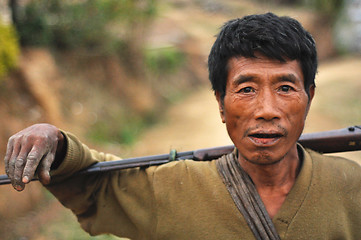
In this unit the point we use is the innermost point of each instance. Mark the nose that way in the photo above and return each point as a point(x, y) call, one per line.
point(268, 108)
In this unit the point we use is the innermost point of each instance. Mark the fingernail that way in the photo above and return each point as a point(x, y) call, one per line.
point(25, 179)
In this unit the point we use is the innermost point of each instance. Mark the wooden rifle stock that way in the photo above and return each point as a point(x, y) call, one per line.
point(342, 140)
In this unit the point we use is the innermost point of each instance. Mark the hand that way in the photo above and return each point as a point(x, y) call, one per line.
point(32, 149)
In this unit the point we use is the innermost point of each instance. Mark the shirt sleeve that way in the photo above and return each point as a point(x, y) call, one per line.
point(118, 202)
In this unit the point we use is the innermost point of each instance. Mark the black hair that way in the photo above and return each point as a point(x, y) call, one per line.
point(281, 38)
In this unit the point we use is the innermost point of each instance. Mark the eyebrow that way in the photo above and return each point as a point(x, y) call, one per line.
point(242, 79)
point(289, 78)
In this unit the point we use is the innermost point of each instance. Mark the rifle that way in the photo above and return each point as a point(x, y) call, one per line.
point(341, 140)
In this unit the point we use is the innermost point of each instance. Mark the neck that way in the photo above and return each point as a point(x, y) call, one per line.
point(273, 175)
point(274, 181)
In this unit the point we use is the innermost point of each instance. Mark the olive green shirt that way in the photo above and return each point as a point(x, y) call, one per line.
point(188, 200)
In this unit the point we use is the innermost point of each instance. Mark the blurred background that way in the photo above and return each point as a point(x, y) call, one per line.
point(130, 77)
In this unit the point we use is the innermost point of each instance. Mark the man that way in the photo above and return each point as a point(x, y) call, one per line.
point(262, 69)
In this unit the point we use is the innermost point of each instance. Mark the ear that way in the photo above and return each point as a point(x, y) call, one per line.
point(220, 106)
point(311, 95)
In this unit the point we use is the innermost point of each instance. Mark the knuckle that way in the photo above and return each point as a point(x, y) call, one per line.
point(41, 141)
point(33, 157)
point(28, 138)
point(12, 163)
point(46, 166)
point(20, 162)
point(14, 139)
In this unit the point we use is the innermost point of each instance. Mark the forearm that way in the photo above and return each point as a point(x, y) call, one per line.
point(121, 195)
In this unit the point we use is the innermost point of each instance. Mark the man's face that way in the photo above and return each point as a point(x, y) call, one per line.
point(265, 107)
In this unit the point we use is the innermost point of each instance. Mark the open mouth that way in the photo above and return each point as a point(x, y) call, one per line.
point(265, 139)
point(265, 135)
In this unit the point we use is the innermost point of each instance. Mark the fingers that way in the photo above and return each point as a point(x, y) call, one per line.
point(32, 162)
point(17, 164)
point(31, 149)
point(12, 164)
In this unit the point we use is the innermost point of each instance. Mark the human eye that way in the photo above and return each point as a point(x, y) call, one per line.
point(285, 88)
point(246, 90)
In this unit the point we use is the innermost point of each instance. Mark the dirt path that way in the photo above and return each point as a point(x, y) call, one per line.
point(195, 123)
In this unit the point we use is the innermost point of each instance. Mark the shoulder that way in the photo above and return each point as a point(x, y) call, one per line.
point(337, 170)
point(334, 162)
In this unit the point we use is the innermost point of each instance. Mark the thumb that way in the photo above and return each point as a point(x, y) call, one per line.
point(44, 168)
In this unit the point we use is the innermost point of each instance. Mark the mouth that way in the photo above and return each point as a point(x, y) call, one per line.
point(265, 139)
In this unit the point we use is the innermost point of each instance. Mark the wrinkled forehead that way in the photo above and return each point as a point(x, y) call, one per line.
point(261, 65)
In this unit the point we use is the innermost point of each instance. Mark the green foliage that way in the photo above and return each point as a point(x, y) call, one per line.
point(93, 25)
point(164, 60)
point(9, 49)
point(32, 26)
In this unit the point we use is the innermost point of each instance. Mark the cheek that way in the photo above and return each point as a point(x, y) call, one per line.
point(235, 112)
point(297, 112)
point(302, 106)
point(236, 116)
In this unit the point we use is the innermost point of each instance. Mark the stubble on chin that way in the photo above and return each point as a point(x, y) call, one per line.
point(261, 159)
